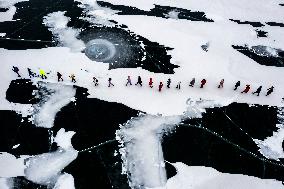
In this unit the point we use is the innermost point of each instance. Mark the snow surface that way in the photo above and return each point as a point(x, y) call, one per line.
point(198, 177)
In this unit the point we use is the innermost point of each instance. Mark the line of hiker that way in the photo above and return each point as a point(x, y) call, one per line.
point(42, 74)
point(202, 84)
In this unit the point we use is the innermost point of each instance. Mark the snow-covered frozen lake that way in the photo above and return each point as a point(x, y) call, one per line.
point(67, 135)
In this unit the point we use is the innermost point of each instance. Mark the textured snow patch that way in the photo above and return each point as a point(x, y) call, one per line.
point(8, 15)
point(63, 139)
point(265, 51)
point(141, 149)
point(54, 97)
point(271, 147)
point(198, 177)
point(6, 183)
point(10, 166)
point(65, 181)
point(57, 24)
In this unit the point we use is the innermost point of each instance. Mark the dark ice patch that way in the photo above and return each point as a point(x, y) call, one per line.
point(21, 91)
point(158, 11)
point(17, 130)
point(23, 183)
point(277, 61)
point(4, 9)
point(261, 33)
point(275, 24)
point(254, 24)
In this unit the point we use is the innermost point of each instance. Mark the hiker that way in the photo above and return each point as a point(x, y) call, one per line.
point(109, 82)
point(257, 91)
point(31, 73)
point(42, 74)
point(246, 90)
point(269, 91)
point(237, 85)
point(72, 76)
point(16, 70)
point(203, 82)
point(160, 86)
point(151, 82)
point(96, 81)
point(169, 83)
point(178, 85)
point(221, 84)
point(59, 77)
point(192, 82)
point(139, 82)
point(128, 81)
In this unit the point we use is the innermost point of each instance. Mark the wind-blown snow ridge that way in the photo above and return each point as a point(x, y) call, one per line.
point(9, 14)
point(57, 24)
point(141, 149)
point(54, 97)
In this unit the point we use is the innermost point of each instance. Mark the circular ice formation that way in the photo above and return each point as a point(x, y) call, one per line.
point(100, 50)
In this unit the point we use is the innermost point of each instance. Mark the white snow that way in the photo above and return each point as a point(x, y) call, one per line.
point(198, 177)
point(57, 24)
point(45, 111)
